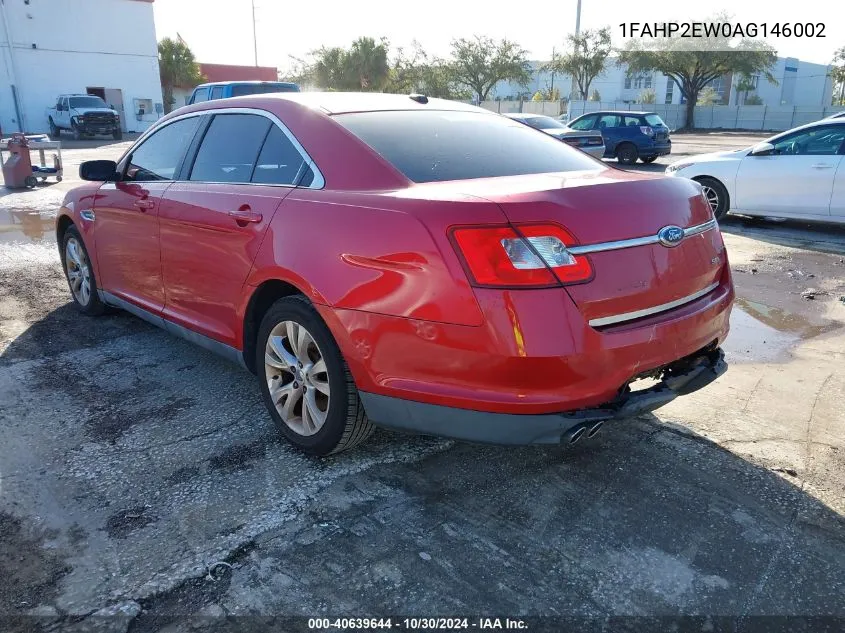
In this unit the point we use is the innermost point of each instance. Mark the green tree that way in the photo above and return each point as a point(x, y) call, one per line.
point(647, 96)
point(694, 63)
point(596, 96)
point(414, 71)
point(754, 100)
point(177, 68)
point(584, 59)
point(743, 87)
point(361, 67)
point(837, 73)
point(708, 96)
point(480, 63)
point(538, 96)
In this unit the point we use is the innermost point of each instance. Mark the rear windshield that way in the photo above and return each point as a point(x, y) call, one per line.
point(240, 90)
point(436, 145)
point(653, 119)
point(543, 122)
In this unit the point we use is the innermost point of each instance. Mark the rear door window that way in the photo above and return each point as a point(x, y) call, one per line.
point(608, 121)
point(230, 148)
point(630, 121)
point(217, 92)
point(431, 145)
point(161, 154)
point(279, 162)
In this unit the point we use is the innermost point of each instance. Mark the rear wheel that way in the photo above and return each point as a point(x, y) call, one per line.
point(305, 382)
point(649, 159)
point(717, 196)
point(627, 153)
point(80, 274)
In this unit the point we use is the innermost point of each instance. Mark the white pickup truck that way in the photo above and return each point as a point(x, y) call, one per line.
point(83, 115)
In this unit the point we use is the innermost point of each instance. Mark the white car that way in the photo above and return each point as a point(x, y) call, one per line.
point(589, 141)
point(796, 174)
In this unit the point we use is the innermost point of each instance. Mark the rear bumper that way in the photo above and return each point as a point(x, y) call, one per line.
point(679, 378)
point(662, 149)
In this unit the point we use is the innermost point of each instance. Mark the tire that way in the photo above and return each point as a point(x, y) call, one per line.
point(340, 422)
point(715, 190)
point(77, 134)
point(88, 303)
point(30, 181)
point(649, 159)
point(627, 154)
point(117, 134)
point(55, 132)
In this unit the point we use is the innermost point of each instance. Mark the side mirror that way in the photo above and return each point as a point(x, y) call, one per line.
point(762, 149)
point(99, 170)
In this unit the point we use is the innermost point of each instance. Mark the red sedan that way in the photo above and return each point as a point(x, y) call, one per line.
point(410, 262)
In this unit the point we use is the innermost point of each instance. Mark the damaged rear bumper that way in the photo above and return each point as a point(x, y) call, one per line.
point(676, 379)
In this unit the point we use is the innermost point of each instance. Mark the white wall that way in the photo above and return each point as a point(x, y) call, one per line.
point(78, 43)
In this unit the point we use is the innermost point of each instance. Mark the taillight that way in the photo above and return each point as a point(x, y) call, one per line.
point(647, 130)
point(527, 255)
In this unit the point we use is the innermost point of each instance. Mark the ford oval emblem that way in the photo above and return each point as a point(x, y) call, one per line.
point(670, 236)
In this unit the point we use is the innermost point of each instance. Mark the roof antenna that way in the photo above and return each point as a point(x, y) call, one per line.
point(418, 97)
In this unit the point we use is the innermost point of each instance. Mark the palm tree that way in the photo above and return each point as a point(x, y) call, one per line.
point(177, 67)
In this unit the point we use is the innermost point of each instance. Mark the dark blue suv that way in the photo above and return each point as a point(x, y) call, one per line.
point(628, 135)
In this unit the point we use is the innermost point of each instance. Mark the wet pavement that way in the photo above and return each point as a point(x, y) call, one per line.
point(139, 473)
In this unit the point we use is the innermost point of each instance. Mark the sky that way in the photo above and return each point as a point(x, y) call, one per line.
point(220, 31)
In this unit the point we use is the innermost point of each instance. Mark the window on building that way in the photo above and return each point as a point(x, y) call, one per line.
point(670, 90)
point(627, 82)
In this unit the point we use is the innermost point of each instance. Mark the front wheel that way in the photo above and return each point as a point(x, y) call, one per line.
point(117, 134)
point(80, 274)
point(305, 382)
point(55, 132)
point(717, 196)
point(627, 153)
point(77, 133)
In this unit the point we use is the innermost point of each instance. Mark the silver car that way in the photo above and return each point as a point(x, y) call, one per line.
point(589, 141)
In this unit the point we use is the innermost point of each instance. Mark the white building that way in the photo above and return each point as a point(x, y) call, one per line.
point(798, 84)
point(103, 47)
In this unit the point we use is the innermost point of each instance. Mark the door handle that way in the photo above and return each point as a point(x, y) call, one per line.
point(822, 166)
point(246, 214)
point(144, 203)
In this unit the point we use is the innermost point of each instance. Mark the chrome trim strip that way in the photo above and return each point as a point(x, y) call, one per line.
point(637, 241)
point(221, 349)
point(637, 314)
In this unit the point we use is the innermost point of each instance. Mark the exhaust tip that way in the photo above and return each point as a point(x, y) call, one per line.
point(595, 429)
point(576, 434)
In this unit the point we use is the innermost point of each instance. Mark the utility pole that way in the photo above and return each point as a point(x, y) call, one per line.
point(255, 38)
point(574, 88)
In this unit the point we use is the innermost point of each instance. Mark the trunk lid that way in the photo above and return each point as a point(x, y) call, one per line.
point(609, 205)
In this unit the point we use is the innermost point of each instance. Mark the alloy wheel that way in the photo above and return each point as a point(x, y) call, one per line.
point(78, 271)
point(297, 377)
point(712, 197)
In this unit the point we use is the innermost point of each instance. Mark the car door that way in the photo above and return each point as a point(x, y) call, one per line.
point(126, 229)
point(213, 221)
point(63, 113)
point(796, 177)
point(608, 125)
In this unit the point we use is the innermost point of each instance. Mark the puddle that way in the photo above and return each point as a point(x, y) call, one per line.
point(27, 225)
point(761, 333)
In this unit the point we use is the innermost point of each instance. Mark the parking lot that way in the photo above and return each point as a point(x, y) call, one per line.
point(140, 475)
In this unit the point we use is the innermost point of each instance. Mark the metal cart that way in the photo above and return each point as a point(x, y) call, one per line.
point(40, 143)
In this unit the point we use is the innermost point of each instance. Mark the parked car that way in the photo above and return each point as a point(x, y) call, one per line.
point(838, 115)
point(226, 89)
point(443, 286)
point(628, 135)
point(83, 115)
point(796, 174)
point(590, 142)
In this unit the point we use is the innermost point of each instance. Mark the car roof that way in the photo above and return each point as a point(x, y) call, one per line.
point(246, 81)
point(79, 94)
point(633, 112)
point(526, 115)
point(345, 102)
